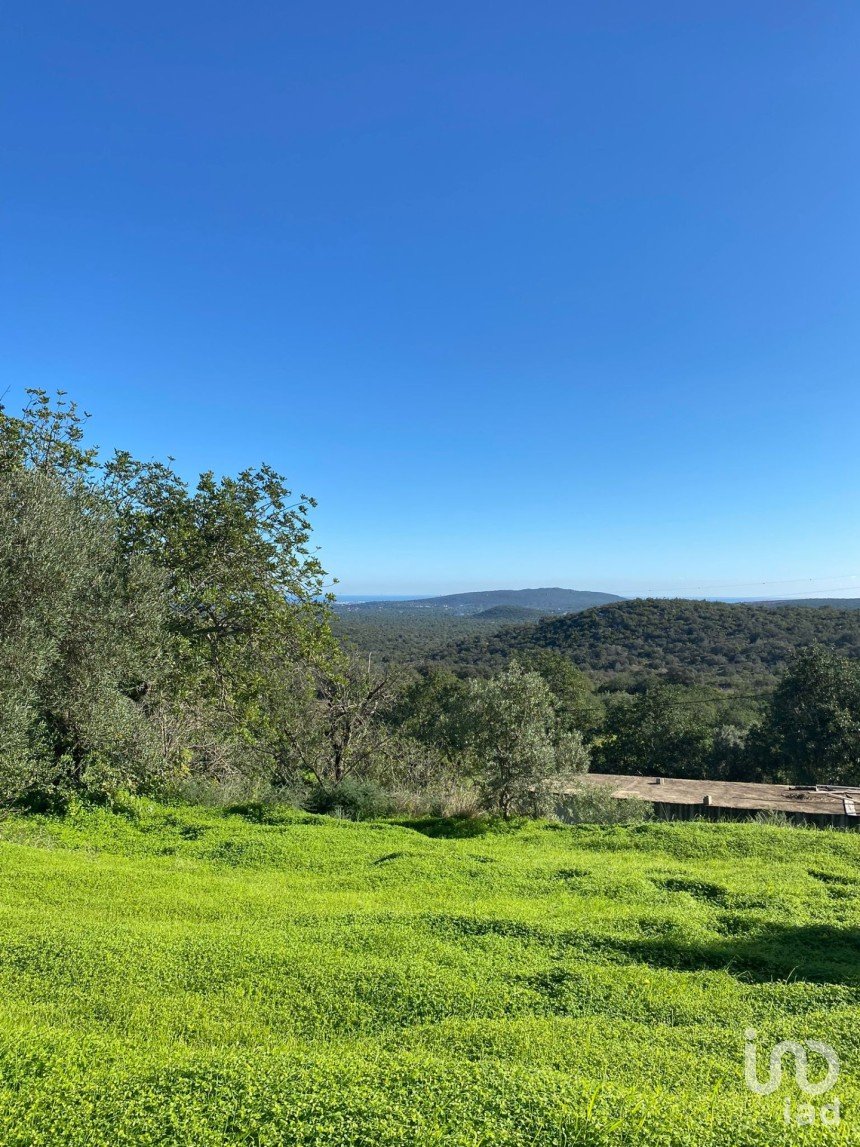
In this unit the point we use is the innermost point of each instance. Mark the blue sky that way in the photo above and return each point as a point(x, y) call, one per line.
point(524, 294)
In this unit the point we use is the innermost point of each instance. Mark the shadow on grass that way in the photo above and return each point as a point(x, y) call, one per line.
point(813, 954)
point(260, 812)
point(449, 827)
point(819, 953)
point(461, 827)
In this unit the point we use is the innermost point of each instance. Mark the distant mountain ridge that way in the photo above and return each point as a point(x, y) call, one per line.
point(547, 600)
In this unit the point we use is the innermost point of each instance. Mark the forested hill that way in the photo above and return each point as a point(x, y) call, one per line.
point(695, 639)
point(409, 630)
point(548, 600)
point(509, 613)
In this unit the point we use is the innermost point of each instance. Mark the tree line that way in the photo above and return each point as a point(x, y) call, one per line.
point(162, 636)
point(687, 642)
point(804, 731)
point(171, 637)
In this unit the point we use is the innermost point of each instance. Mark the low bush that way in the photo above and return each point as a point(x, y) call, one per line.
point(775, 819)
point(226, 792)
point(352, 799)
point(593, 804)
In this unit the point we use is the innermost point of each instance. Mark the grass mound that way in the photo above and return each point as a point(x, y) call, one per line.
point(193, 976)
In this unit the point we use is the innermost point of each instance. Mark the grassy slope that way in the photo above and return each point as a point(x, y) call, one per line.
point(185, 977)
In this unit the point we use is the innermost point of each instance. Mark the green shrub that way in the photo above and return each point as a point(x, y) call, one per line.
point(517, 744)
point(352, 799)
point(594, 804)
point(775, 819)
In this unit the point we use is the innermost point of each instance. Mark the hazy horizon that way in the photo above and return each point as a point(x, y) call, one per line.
point(356, 596)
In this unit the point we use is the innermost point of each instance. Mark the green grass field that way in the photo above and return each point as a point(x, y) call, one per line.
point(186, 976)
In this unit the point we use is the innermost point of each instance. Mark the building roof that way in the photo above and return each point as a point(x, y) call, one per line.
point(822, 800)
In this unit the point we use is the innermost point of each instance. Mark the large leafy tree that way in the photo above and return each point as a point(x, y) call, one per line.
point(577, 705)
point(130, 594)
point(665, 729)
point(242, 581)
point(811, 730)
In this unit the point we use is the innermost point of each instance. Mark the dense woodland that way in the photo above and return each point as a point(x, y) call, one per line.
point(410, 637)
point(681, 640)
point(405, 631)
point(177, 639)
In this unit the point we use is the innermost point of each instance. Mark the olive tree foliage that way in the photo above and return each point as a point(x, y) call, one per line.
point(517, 744)
point(584, 803)
point(81, 629)
point(149, 627)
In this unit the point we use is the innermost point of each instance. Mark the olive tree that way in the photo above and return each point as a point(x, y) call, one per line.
point(81, 641)
point(143, 615)
point(516, 743)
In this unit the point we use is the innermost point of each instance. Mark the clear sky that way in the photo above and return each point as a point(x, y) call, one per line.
point(546, 293)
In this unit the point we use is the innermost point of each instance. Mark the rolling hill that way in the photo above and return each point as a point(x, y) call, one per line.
point(690, 639)
point(410, 630)
point(509, 613)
